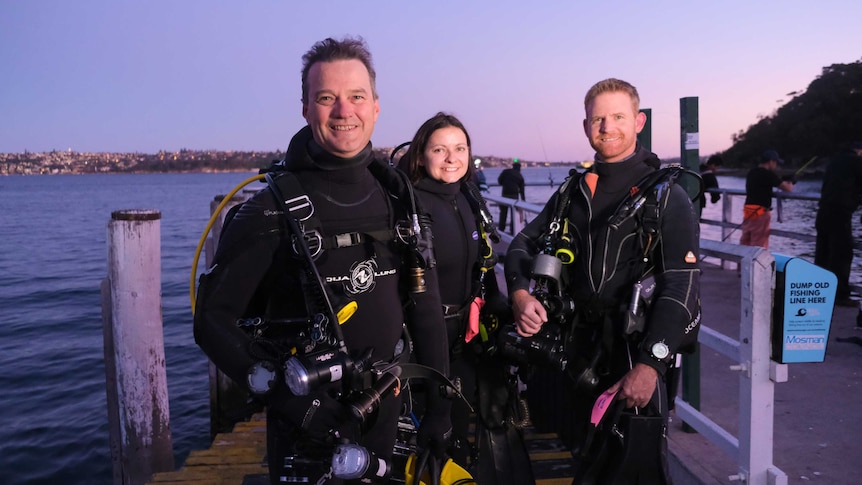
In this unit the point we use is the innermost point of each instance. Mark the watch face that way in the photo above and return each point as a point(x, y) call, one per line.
point(660, 351)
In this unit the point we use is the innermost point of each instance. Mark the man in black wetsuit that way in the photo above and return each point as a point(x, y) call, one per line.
point(609, 260)
point(260, 276)
point(840, 196)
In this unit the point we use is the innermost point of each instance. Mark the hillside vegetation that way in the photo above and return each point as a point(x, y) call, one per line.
point(817, 122)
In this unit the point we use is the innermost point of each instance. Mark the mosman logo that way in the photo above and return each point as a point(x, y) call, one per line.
point(805, 342)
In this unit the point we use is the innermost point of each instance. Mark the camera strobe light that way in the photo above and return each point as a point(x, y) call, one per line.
point(351, 462)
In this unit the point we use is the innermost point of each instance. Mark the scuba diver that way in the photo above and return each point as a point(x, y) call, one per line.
point(438, 164)
point(313, 281)
point(618, 247)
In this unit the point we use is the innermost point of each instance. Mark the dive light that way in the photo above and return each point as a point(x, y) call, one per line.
point(302, 374)
point(366, 402)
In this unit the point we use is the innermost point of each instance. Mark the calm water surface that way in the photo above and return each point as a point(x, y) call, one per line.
point(53, 257)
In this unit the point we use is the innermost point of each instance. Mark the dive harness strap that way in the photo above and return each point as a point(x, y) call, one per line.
point(550, 239)
point(310, 269)
point(301, 208)
point(487, 259)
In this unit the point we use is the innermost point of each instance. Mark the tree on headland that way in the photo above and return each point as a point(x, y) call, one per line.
point(817, 122)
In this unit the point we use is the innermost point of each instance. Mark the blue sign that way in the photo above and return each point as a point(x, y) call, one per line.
point(804, 300)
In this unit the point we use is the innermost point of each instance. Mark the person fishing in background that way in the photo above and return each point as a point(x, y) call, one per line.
point(757, 212)
point(840, 196)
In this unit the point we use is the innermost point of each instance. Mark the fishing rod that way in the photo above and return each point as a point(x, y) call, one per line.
point(779, 206)
point(809, 162)
point(542, 142)
point(733, 230)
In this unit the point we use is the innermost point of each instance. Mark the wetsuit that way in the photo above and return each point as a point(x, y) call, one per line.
point(255, 273)
point(485, 379)
point(456, 242)
point(512, 183)
point(839, 198)
point(600, 281)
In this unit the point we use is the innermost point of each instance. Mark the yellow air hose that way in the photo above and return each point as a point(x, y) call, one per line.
point(203, 239)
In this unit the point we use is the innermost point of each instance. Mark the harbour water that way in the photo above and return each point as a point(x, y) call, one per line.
point(53, 427)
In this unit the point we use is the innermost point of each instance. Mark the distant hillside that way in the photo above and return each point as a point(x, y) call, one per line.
point(819, 121)
point(185, 160)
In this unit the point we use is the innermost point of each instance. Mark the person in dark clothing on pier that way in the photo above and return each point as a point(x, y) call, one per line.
point(707, 174)
point(275, 303)
point(481, 181)
point(604, 257)
point(840, 196)
point(512, 183)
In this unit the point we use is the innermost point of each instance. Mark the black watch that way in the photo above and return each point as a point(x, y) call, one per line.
point(261, 377)
point(659, 351)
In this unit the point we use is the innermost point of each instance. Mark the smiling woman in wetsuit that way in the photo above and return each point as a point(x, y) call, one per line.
point(439, 164)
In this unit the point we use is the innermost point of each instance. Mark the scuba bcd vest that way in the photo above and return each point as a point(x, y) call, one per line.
point(644, 204)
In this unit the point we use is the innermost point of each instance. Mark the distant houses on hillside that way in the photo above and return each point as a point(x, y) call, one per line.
point(72, 162)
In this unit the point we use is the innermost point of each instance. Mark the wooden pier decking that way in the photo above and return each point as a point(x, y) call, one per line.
point(235, 458)
point(239, 458)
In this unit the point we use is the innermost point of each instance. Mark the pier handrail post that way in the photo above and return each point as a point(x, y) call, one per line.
point(137, 391)
point(757, 390)
point(726, 217)
point(519, 218)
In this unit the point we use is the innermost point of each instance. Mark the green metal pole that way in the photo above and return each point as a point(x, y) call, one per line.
point(690, 159)
point(645, 136)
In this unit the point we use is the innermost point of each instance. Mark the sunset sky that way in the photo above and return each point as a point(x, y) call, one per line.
point(98, 75)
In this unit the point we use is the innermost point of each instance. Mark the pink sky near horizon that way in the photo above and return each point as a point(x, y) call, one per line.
point(144, 76)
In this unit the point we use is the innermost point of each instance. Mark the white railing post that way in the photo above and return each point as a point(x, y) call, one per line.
point(519, 217)
point(726, 216)
point(753, 448)
point(756, 389)
point(137, 391)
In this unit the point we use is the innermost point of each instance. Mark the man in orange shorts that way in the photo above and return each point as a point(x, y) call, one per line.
point(756, 215)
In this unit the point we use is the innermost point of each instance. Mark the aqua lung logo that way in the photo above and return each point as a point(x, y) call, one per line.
point(805, 342)
point(361, 278)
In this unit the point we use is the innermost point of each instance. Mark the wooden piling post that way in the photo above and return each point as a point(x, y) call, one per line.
point(138, 412)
